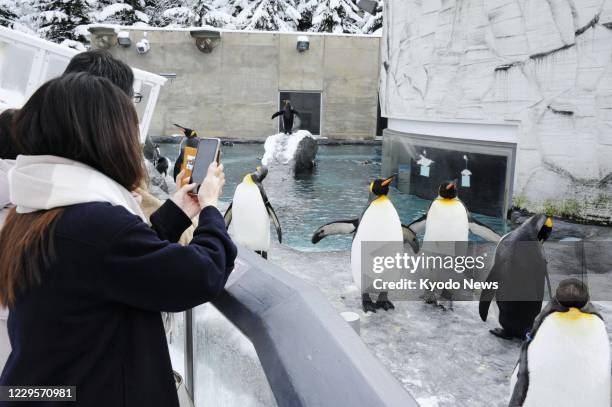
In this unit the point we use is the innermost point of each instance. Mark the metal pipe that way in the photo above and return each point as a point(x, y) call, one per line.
point(189, 353)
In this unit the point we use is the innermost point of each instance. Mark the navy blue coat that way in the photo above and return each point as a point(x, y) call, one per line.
point(94, 320)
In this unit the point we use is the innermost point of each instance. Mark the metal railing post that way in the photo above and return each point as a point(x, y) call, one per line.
point(189, 353)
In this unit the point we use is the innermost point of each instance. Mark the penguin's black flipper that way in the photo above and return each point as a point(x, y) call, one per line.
point(487, 295)
point(228, 215)
point(274, 218)
point(483, 230)
point(270, 209)
point(295, 112)
point(410, 238)
point(339, 227)
point(276, 114)
point(418, 226)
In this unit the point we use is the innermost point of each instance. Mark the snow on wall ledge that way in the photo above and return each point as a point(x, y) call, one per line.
point(545, 64)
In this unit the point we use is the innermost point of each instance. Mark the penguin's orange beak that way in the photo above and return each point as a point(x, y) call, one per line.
point(387, 181)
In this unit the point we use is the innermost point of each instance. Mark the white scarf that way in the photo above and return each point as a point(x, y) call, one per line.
point(42, 182)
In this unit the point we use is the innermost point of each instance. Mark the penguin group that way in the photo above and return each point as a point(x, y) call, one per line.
point(565, 356)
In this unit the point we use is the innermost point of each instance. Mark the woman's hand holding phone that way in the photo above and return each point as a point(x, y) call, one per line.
point(183, 198)
point(212, 186)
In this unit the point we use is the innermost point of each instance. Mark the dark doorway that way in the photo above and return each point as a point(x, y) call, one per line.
point(308, 104)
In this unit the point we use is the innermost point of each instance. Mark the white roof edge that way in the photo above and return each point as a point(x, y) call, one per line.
point(224, 30)
point(18, 36)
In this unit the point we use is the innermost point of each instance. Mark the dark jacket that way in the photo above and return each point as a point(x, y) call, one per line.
point(94, 320)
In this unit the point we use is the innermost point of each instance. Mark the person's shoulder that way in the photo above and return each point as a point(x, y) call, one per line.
point(94, 222)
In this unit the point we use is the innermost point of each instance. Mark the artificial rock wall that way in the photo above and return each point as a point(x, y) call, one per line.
point(543, 64)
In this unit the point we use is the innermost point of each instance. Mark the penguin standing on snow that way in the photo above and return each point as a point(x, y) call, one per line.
point(565, 361)
point(191, 140)
point(520, 271)
point(447, 220)
point(248, 215)
point(288, 113)
point(378, 223)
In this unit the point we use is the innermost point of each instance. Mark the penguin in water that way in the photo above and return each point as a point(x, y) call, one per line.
point(288, 113)
point(248, 216)
point(191, 140)
point(378, 222)
point(520, 270)
point(160, 163)
point(565, 361)
point(448, 220)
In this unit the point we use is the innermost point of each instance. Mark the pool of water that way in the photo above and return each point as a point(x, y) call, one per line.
point(337, 189)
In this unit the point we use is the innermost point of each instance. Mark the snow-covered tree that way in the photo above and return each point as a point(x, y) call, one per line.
point(178, 17)
point(212, 13)
point(306, 9)
point(270, 15)
point(121, 13)
point(373, 23)
point(7, 13)
point(337, 16)
point(59, 20)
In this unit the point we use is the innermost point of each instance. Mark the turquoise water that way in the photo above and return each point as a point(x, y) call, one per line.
point(338, 189)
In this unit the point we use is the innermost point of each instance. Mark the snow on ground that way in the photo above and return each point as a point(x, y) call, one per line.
point(442, 358)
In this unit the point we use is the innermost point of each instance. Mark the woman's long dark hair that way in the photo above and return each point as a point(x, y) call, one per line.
point(80, 117)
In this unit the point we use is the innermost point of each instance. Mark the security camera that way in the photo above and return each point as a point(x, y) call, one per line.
point(143, 46)
point(303, 43)
point(123, 38)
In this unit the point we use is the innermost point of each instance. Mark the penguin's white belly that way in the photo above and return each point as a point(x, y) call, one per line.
point(447, 221)
point(569, 363)
point(250, 224)
point(380, 223)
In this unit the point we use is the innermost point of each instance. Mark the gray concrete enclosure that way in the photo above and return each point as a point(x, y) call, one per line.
point(232, 91)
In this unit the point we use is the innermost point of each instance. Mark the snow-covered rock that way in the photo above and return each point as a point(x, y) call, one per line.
point(297, 150)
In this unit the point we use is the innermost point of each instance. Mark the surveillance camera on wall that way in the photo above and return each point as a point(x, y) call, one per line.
point(303, 43)
point(143, 46)
point(123, 38)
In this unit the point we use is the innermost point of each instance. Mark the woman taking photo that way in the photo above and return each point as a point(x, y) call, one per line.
point(84, 277)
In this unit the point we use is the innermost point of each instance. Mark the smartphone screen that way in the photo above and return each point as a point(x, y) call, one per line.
point(208, 151)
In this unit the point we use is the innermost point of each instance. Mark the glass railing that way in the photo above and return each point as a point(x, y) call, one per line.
point(271, 339)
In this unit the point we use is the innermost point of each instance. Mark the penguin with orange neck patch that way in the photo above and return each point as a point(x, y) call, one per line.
point(447, 220)
point(379, 222)
point(565, 361)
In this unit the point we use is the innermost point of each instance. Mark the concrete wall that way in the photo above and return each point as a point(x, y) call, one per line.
point(233, 91)
point(544, 65)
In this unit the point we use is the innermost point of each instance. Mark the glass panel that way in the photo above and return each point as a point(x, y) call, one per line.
point(15, 65)
point(55, 66)
point(482, 171)
point(176, 341)
point(227, 370)
point(308, 104)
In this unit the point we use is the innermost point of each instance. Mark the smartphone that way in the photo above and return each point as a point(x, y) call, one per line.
point(208, 151)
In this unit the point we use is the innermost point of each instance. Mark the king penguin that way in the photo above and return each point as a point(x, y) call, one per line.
point(248, 215)
point(519, 269)
point(379, 222)
point(565, 361)
point(288, 113)
point(447, 220)
point(191, 140)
